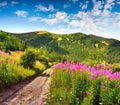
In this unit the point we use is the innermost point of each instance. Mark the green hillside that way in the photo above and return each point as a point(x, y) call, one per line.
point(9, 42)
point(76, 46)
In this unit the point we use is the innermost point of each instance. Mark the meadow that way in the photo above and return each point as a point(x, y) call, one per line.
point(83, 84)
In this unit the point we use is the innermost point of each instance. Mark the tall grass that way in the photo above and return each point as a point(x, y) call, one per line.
point(11, 72)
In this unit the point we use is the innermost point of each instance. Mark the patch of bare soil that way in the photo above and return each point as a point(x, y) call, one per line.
point(33, 91)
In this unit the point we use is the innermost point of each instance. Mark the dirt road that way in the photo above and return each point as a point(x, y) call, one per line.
point(29, 92)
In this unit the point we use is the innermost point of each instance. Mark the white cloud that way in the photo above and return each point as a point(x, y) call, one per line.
point(14, 3)
point(84, 22)
point(45, 9)
point(66, 5)
point(118, 2)
point(56, 18)
point(61, 29)
point(102, 8)
point(109, 4)
point(34, 19)
point(84, 7)
point(21, 13)
point(98, 5)
point(74, 1)
point(105, 13)
point(3, 4)
point(110, 1)
point(93, 1)
point(76, 23)
point(96, 12)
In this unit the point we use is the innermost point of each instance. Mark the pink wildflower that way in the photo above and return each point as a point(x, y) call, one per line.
point(88, 93)
point(1, 61)
point(119, 86)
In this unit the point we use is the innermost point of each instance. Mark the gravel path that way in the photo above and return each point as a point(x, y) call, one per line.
point(29, 92)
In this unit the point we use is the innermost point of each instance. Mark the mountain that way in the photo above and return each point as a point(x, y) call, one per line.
point(76, 46)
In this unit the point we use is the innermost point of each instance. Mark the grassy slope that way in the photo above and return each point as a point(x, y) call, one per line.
point(10, 43)
point(76, 46)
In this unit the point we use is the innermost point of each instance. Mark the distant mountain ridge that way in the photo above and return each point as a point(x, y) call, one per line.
point(76, 46)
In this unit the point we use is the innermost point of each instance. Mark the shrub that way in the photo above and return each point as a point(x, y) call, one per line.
point(28, 59)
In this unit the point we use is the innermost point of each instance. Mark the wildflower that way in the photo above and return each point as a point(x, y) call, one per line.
point(88, 93)
point(11, 61)
point(109, 67)
point(98, 66)
point(1, 61)
point(73, 68)
point(105, 88)
point(103, 65)
point(94, 75)
point(119, 86)
point(104, 83)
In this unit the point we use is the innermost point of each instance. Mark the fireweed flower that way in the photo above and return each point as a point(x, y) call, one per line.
point(1, 61)
point(4, 53)
point(11, 61)
point(94, 75)
point(109, 67)
point(98, 66)
point(88, 93)
point(94, 72)
point(119, 87)
point(103, 65)
point(104, 83)
point(105, 88)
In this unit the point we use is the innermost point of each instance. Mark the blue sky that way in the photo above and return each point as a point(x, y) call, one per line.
point(99, 17)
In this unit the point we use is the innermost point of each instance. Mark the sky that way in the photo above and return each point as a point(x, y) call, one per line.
point(98, 17)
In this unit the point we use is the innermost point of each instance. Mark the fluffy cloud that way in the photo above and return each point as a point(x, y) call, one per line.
point(21, 13)
point(76, 23)
point(74, 1)
point(45, 9)
point(84, 21)
point(4, 3)
point(66, 5)
point(97, 8)
point(14, 3)
point(34, 19)
point(118, 2)
point(56, 18)
point(84, 7)
point(109, 4)
point(102, 8)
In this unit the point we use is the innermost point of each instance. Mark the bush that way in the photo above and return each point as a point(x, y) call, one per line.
point(28, 59)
